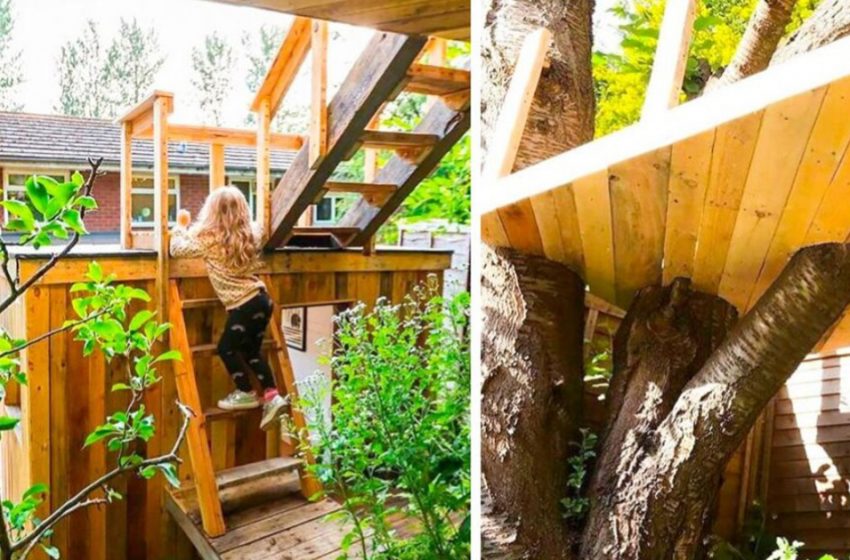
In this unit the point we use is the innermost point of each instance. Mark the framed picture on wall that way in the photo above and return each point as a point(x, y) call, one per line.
point(295, 327)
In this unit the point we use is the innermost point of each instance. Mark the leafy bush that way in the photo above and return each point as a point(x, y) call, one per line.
point(398, 443)
point(576, 505)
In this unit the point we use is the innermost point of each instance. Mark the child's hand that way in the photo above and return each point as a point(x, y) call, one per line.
point(184, 218)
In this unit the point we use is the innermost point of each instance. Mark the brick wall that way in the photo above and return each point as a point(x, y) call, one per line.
point(107, 217)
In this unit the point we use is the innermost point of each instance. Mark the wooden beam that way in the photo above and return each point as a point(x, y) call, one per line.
point(318, 96)
point(160, 199)
point(671, 57)
point(503, 148)
point(283, 70)
point(370, 156)
point(801, 74)
point(263, 196)
point(435, 52)
point(141, 116)
point(408, 174)
point(126, 185)
point(217, 173)
point(228, 136)
point(374, 76)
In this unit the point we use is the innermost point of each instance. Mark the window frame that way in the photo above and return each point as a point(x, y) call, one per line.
point(150, 190)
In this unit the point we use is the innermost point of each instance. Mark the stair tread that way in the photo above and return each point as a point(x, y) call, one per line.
point(253, 471)
point(354, 187)
point(392, 140)
point(428, 79)
point(323, 230)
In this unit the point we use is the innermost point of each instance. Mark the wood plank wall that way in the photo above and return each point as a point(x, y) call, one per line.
point(68, 395)
point(809, 490)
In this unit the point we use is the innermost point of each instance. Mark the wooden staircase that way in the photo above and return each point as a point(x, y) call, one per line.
point(207, 484)
point(389, 65)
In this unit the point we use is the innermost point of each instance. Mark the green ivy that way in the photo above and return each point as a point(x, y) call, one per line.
point(576, 505)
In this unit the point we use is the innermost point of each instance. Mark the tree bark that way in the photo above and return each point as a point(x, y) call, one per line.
point(829, 22)
point(651, 496)
point(532, 371)
point(764, 31)
point(563, 110)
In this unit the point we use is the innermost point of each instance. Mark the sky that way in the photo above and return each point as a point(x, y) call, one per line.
point(180, 24)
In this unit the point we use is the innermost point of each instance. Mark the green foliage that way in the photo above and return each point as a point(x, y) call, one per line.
point(399, 442)
point(575, 504)
point(52, 210)
point(11, 73)
point(212, 66)
point(100, 81)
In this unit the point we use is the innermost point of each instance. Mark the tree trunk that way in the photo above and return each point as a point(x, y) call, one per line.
point(829, 22)
point(652, 494)
point(562, 113)
point(764, 31)
point(531, 398)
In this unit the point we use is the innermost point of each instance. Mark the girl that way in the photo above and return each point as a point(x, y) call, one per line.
point(229, 243)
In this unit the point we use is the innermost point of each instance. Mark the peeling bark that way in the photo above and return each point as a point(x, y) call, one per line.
point(764, 31)
point(562, 113)
point(531, 399)
point(829, 22)
point(651, 496)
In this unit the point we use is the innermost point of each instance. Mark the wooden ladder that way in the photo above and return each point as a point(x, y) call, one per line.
point(388, 66)
point(208, 483)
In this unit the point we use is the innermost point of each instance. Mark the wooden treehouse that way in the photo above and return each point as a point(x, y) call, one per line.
point(244, 494)
point(721, 190)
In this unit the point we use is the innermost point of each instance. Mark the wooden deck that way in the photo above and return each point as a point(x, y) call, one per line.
point(266, 518)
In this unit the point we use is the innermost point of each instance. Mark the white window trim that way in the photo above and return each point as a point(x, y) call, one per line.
point(334, 198)
point(149, 190)
point(27, 172)
point(252, 189)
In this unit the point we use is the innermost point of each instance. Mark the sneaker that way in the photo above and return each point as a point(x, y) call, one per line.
point(272, 411)
point(239, 400)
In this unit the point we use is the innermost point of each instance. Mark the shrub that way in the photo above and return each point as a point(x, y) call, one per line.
point(398, 443)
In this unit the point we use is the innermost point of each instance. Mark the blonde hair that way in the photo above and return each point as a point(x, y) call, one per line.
point(226, 216)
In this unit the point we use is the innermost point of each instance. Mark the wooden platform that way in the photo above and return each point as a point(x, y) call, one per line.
point(266, 518)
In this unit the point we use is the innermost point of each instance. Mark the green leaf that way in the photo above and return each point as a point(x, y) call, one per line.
point(72, 219)
point(77, 179)
point(121, 387)
point(59, 191)
point(51, 551)
point(87, 202)
point(170, 355)
point(95, 272)
point(21, 210)
point(170, 473)
point(7, 423)
point(35, 490)
point(140, 319)
point(37, 194)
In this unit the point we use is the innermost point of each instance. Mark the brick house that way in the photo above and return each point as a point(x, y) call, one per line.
point(58, 145)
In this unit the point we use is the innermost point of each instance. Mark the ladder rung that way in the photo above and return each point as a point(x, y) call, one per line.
point(200, 302)
point(254, 471)
point(209, 349)
point(436, 80)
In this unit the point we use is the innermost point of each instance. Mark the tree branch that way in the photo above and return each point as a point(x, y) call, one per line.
point(27, 543)
point(764, 31)
point(15, 291)
point(55, 331)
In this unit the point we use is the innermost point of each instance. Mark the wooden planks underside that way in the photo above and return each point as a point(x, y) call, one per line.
point(726, 207)
point(443, 18)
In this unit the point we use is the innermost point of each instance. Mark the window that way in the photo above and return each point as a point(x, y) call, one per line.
point(142, 201)
point(330, 209)
point(14, 181)
point(248, 186)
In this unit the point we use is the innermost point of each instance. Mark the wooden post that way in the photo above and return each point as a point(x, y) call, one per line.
point(511, 123)
point(126, 185)
point(318, 101)
point(436, 51)
point(370, 160)
point(161, 108)
point(217, 174)
point(263, 200)
point(671, 56)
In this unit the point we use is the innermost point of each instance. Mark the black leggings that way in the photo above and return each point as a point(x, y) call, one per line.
point(241, 342)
